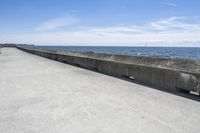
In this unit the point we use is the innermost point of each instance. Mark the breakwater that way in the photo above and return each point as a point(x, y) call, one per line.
point(167, 74)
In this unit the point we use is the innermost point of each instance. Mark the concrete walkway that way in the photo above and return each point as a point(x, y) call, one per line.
point(38, 95)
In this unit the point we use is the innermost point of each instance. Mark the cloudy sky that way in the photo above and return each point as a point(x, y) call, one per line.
point(101, 22)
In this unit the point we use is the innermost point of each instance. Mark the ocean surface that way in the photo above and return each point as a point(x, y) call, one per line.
point(166, 52)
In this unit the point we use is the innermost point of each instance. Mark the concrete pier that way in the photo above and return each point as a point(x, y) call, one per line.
point(175, 75)
point(38, 95)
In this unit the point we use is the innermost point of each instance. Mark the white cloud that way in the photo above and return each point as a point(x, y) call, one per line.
point(57, 23)
point(175, 24)
point(170, 4)
point(170, 30)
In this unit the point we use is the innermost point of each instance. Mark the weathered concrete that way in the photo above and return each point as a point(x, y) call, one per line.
point(167, 74)
point(38, 95)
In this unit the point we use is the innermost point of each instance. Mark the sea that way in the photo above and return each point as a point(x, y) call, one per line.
point(190, 53)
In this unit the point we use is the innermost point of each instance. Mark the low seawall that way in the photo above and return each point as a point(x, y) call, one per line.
point(167, 74)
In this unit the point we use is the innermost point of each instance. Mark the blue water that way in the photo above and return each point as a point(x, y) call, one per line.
point(166, 52)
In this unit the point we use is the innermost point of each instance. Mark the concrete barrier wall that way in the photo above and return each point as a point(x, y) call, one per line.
point(168, 74)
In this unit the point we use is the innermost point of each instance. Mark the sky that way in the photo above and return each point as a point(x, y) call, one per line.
point(101, 22)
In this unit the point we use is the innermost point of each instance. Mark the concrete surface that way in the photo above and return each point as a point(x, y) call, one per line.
point(38, 95)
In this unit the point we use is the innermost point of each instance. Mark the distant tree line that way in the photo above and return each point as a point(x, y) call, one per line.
point(14, 45)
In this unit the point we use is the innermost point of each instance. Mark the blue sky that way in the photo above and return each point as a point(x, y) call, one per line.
point(101, 22)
